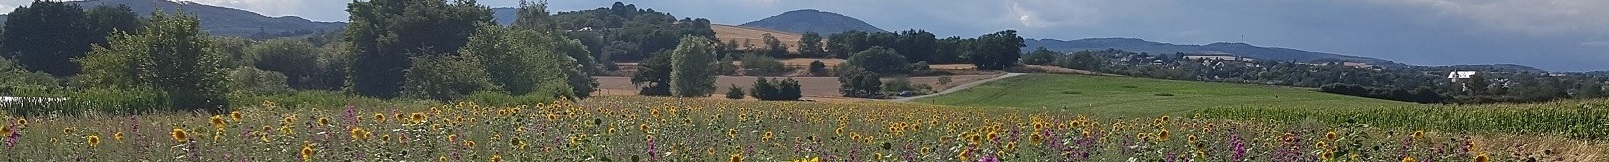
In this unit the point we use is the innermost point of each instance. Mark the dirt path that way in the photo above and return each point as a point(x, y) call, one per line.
point(958, 87)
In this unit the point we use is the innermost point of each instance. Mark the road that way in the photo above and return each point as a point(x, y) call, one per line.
point(958, 88)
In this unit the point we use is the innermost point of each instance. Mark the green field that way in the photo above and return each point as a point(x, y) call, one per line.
point(1134, 97)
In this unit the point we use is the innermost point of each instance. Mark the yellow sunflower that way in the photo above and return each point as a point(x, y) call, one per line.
point(92, 141)
point(307, 151)
point(179, 135)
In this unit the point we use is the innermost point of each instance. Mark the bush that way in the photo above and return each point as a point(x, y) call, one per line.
point(882, 61)
point(857, 82)
point(445, 78)
point(776, 90)
point(920, 68)
point(761, 65)
point(253, 80)
point(734, 92)
point(898, 85)
point(817, 68)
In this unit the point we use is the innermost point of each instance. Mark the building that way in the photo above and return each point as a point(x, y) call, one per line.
point(1212, 57)
point(1357, 65)
point(1457, 75)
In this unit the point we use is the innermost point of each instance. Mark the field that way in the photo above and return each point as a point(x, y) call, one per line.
point(755, 36)
point(812, 87)
point(1136, 97)
point(665, 129)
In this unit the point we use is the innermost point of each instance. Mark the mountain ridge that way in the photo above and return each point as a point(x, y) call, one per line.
point(1237, 49)
point(222, 21)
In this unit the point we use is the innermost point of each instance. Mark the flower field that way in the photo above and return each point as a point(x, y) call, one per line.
point(664, 129)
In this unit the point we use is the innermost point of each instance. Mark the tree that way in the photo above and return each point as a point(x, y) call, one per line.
point(693, 68)
point(734, 92)
point(46, 35)
point(523, 62)
point(296, 59)
point(810, 45)
point(997, 51)
point(172, 55)
point(653, 75)
point(773, 46)
point(776, 90)
point(1084, 61)
point(384, 34)
point(1040, 56)
point(534, 16)
point(882, 61)
point(857, 82)
point(817, 68)
point(105, 20)
point(253, 80)
point(916, 45)
point(446, 78)
point(16, 75)
point(842, 45)
point(758, 65)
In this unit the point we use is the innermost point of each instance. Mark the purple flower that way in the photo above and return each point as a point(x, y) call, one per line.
point(989, 159)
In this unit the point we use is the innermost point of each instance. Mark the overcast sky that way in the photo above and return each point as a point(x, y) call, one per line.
point(1560, 35)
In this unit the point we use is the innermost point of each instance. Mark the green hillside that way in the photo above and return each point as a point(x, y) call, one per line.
point(1125, 96)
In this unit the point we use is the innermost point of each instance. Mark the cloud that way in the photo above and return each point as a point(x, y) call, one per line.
point(1043, 14)
point(1524, 16)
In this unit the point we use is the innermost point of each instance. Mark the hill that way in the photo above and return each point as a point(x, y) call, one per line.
point(223, 21)
point(809, 20)
point(1133, 97)
point(1237, 49)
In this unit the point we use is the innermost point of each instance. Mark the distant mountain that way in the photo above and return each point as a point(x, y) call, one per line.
point(223, 21)
point(1237, 49)
point(505, 15)
point(1492, 67)
point(809, 20)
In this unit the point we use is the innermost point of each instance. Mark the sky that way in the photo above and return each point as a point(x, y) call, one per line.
point(1555, 35)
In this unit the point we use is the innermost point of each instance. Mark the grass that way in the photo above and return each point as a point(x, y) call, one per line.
point(669, 129)
point(1138, 97)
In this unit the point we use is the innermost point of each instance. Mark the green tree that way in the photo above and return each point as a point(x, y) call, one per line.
point(759, 65)
point(1040, 56)
point(857, 82)
point(916, 45)
point(172, 55)
point(693, 68)
point(810, 45)
point(105, 20)
point(46, 35)
point(817, 68)
point(253, 80)
point(16, 75)
point(773, 46)
point(534, 16)
point(997, 51)
point(882, 61)
point(734, 92)
point(446, 78)
point(296, 59)
point(384, 34)
point(653, 75)
point(776, 90)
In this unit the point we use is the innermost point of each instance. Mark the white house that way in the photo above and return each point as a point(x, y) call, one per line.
point(1456, 75)
point(1212, 57)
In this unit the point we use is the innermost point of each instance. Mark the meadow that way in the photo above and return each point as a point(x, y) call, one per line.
point(669, 129)
point(1139, 97)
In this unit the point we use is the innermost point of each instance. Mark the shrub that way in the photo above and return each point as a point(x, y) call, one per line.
point(944, 80)
point(253, 80)
point(734, 92)
point(445, 78)
point(776, 90)
point(920, 68)
point(817, 68)
point(882, 61)
point(761, 65)
point(898, 85)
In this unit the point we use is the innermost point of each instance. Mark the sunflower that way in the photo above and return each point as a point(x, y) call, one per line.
point(1330, 135)
point(418, 118)
point(1163, 136)
point(767, 137)
point(5, 131)
point(469, 143)
point(92, 141)
point(737, 157)
point(358, 134)
point(67, 131)
point(1408, 159)
point(964, 155)
point(379, 118)
point(497, 158)
point(235, 116)
point(179, 135)
point(731, 133)
point(117, 136)
point(1483, 157)
point(217, 122)
point(324, 121)
point(1418, 135)
point(22, 122)
point(307, 151)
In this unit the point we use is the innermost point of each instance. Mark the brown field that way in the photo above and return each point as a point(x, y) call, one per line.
point(814, 88)
point(754, 36)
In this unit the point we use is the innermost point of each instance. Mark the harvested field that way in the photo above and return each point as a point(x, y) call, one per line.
point(812, 87)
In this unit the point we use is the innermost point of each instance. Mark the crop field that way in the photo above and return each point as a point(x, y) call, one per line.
point(667, 129)
point(1139, 97)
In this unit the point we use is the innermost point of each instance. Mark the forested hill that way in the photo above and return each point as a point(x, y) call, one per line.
point(223, 21)
point(808, 20)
